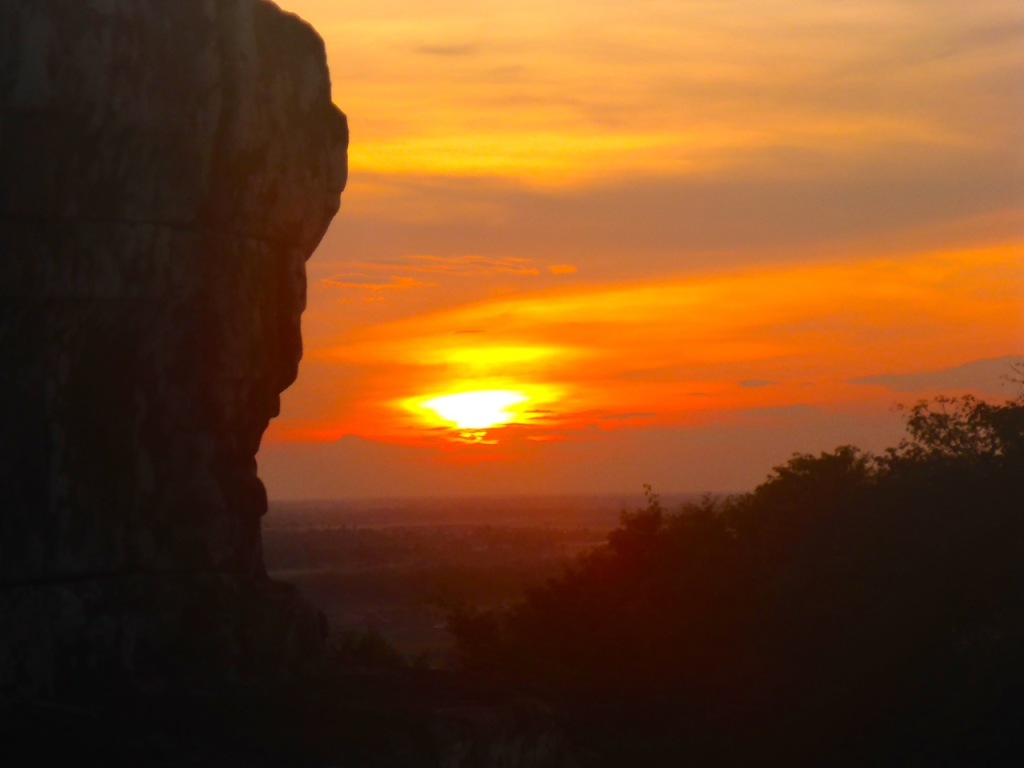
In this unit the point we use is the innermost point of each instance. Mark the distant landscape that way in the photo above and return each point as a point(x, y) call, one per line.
point(398, 566)
point(855, 607)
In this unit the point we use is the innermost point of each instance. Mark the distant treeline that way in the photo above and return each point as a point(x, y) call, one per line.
point(854, 608)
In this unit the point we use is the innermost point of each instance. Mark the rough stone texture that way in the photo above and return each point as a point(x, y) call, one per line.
point(166, 168)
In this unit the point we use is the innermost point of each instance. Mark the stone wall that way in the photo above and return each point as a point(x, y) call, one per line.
point(166, 168)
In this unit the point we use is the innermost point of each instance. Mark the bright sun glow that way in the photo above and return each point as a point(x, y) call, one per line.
point(476, 410)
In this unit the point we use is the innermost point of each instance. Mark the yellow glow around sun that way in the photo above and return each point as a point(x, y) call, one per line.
point(468, 408)
point(482, 409)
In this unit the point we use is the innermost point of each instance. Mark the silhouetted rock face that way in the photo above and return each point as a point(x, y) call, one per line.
point(166, 168)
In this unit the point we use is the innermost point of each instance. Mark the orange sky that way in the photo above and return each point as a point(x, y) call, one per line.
point(589, 246)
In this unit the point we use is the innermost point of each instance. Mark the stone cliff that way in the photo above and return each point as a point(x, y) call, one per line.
point(166, 168)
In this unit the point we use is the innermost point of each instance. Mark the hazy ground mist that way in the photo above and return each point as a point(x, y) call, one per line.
point(398, 565)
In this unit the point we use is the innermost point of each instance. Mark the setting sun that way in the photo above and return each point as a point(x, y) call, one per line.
point(586, 246)
point(476, 410)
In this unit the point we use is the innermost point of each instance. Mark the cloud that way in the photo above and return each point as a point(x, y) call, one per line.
point(453, 278)
point(462, 265)
point(562, 269)
point(995, 376)
point(909, 200)
point(369, 288)
point(740, 338)
point(471, 265)
point(452, 50)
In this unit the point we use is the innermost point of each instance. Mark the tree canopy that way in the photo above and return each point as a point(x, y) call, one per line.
point(874, 601)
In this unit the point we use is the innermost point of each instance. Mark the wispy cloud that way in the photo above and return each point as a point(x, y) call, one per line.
point(630, 416)
point(998, 375)
point(371, 288)
point(472, 265)
point(450, 50)
point(562, 269)
point(401, 281)
point(747, 338)
point(400, 271)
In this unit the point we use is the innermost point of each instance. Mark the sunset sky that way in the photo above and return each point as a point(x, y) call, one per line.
point(587, 246)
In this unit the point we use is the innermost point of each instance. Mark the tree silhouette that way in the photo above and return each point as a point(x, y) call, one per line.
point(874, 601)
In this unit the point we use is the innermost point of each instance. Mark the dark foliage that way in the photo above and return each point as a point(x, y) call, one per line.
point(857, 608)
point(367, 649)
